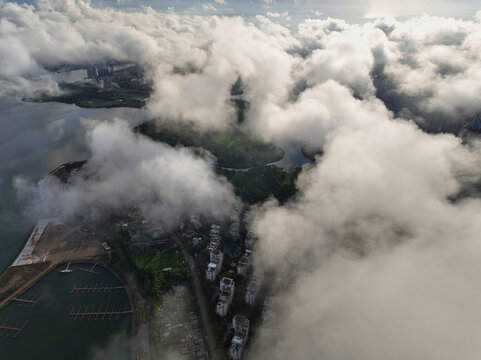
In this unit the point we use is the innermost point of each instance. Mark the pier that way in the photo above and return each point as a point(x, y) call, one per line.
point(11, 327)
point(99, 314)
point(67, 270)
point(27, 301)
point(98, 287)
point(91, 270)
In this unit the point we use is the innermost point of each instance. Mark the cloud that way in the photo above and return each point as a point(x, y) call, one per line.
point(220, 1)
point(317, 112)
point(208, 7)
point(114, 349)
point(379, 262)
point(127, 170)
point(277, 15)
point(436, 65)
point(424, 68)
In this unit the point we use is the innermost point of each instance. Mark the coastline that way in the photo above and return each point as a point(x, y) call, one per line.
point(32, 281)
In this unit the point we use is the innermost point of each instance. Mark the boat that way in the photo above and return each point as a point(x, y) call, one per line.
point(66, 270)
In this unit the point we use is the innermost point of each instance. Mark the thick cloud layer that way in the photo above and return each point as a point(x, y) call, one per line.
point(127, 170)
point(378, 260)
point(422, 68)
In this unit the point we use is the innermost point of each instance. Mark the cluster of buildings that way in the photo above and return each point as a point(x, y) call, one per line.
point(96, 71)
point(250, 239)
point(240, 324)
point(241, 267)
point(244, 263)
point(235, 230)
point(126, 75)
point(215, 265)
point(215, 237)
point(143, 234)
point(227, 287)
point(252, 290)
point(215, 257)
point(248, 216)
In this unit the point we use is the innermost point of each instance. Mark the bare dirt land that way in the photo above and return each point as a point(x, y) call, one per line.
point(61, 243)
point(176, 327)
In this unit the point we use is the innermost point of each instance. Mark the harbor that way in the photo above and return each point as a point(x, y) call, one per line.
point(69, 317)
point(50, 243)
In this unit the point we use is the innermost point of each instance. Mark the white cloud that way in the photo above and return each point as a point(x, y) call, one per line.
point(276, 15)
point(381, 263)
point(431, 62)
point(373, 250)
point(128, 170)
point(209, 7)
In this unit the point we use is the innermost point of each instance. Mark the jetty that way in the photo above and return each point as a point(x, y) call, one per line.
point(91, 270)
point(98, 314)
point(11, 327)
point(27, 301)
point(66, 270)
point(96, 288)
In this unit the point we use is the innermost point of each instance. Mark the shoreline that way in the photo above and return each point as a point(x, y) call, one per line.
point(40, 275)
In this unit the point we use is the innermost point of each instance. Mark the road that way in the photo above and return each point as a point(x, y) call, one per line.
point(215, 353)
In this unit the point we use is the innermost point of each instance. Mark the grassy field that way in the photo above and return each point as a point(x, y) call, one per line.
point(161, 271)
point(233, 149)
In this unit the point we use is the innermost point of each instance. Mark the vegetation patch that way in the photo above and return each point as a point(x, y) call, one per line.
point(233, 149)
point(95, 97)
point(257, 184)
point(161, 271)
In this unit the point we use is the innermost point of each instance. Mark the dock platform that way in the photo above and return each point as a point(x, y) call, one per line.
point(11, 327)
point(98, 314)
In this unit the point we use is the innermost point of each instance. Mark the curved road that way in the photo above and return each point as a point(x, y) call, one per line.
point(215, 353)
